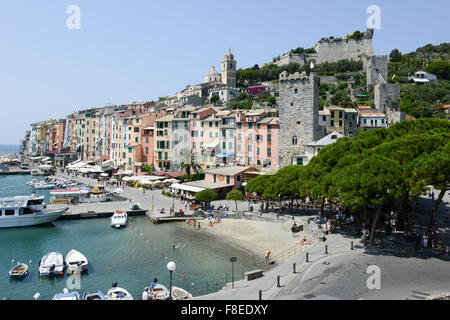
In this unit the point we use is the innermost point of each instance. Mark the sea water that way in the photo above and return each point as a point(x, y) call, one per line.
point(131, 256)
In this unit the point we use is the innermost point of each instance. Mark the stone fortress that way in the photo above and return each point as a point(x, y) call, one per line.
point(299, 115)
point(299, 99)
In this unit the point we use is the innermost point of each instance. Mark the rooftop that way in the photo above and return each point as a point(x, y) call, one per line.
point(228, 170)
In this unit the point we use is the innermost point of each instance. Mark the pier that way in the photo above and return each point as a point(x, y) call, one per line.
point(158, 218)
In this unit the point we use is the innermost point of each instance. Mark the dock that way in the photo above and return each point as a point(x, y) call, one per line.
point(158, 218)
point(96, 210)
point(93, 215)
point(18, 171)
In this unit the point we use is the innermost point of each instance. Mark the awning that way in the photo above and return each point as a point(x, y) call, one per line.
point(225, 155)
point(186, 187)
point(210, 145)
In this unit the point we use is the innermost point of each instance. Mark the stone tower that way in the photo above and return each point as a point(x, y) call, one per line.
point(299, 115)
point(229, 70)
point(376, 65)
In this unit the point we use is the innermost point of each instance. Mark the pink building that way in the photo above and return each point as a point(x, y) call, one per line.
point(195, 126)
point(257, 139)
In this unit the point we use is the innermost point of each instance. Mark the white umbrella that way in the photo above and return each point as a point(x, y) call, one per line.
point(104, 175)
point(126, 179)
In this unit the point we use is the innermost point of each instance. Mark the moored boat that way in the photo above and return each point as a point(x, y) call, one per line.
point(76, 261)
point(19, 271)
point(117, 293)
point(159, 292)
point(94, 295)
point(51, 264)
point(119, 219)
point(180, 294)
point(24, 211)
point(66, 295)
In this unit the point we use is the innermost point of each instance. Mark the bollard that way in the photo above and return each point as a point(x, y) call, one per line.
point(307, 257)
point(278, 282)
point(294, 271)
point(351, 246)
point(260, 294)
point(326, 249)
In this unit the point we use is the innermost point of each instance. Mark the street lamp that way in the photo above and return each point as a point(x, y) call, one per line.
point(171, 266)
point(232, 260)
point(279, 203)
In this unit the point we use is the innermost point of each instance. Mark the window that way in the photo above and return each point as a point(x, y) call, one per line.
point(324, 118)
point(224, 145)
point(269, 137)
point(215, 178)
point(136, 129)
point(250, 148)
point(299, 161)
point(332, 123)
point(165, 156)
point(250, 125)
point(146, 150)
point(295, 91)
point(136, 139)
point(294, 141)
point(340, 114)
point(239, 125)
point(340, 123)
point(9, 212)
point(130, 150)
point(269, 152)
point(332, 114)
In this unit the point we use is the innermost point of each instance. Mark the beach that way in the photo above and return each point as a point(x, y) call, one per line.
point(254, 236)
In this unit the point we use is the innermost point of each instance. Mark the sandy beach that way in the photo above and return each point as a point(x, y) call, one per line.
point(255, 236)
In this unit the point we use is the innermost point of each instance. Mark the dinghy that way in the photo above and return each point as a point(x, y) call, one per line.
point(117, 293)
point(20, 271)
point(52, 264)
point(76, 261)
point(66, 295)
point(95, 295)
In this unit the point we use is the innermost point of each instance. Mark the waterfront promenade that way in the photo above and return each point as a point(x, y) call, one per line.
point(340, 274)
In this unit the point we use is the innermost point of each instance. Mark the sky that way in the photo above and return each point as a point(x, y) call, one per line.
point(139, 50)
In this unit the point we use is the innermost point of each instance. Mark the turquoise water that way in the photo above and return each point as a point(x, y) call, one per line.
point(124, 256)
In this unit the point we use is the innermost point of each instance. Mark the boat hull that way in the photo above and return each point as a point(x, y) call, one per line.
point(31, 219)
point(18, 276)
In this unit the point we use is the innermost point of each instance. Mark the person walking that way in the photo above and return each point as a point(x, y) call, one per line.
point(267, 257)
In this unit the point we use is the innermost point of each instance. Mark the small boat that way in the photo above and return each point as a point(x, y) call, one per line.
point(66, 295)
point(51, 264)
point(76, 261)
point(116, 293)
point(19, 271)
point(180, 294)
point(94, 295)
point(159, 292)
point(119, 219)
point(42, 186)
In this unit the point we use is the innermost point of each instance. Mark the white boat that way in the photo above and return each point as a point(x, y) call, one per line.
point(35, 172)
point(119, 219)
point(159, 292)
point(51, 264)
point(41, 186)
point(26, 211)
point(76, 261)
point(66, 295)
point(117, 293)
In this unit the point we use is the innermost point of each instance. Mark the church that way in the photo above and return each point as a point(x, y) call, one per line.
point(222, 85)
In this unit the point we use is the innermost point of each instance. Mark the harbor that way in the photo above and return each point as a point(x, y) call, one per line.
point(141, 246)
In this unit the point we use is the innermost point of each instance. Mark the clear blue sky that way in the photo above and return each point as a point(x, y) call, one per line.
point(139, 50)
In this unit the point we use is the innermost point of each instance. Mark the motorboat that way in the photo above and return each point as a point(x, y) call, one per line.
point(24, 211)
point(51, 264)
point(66, 295)
point(117, 293)
point(94, 295)
point(19, 271)
point(159, 292)
point(76, 261)
point(41, 186)
point(119, 219)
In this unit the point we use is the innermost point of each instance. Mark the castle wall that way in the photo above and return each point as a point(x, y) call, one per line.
point(333, 50)
point(299, 114)
point(387, 96)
